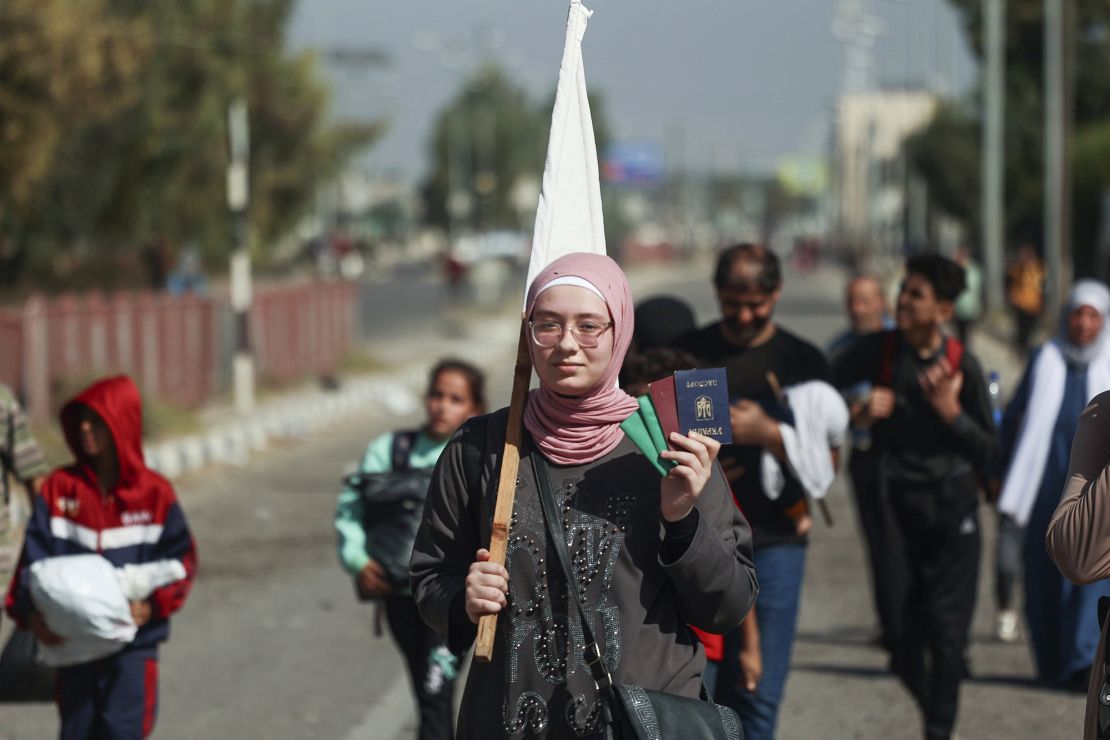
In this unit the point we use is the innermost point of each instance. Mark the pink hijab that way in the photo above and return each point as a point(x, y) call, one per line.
point(578, 430)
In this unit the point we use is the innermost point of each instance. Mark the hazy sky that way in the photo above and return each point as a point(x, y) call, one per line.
point(740, 83)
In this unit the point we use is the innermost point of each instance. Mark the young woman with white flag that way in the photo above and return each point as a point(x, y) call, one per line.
point(651, 555)
point(648, 555)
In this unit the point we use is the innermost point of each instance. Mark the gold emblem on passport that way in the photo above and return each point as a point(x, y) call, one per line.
point(701, 398)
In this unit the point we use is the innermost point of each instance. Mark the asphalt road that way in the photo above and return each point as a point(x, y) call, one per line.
point(272, 643)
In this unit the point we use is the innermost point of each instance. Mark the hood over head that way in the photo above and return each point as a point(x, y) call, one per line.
point(116, 400)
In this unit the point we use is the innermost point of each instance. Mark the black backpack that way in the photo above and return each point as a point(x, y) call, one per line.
point(392, 506)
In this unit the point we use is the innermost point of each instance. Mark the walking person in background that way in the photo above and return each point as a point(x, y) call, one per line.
point(1062, 376)
point(930, 419)
point(21, 460)
point(20, 456)
point(867, 313)
point(1009, 544)
point(108, 502)
point(456, 392)
point(1026, 294)
point(752, 348)
point(651, 554)
point(969, 305)
point(660, 321)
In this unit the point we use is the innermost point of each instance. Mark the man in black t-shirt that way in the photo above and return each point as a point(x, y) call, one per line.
point(751, 347)
point(931, 425)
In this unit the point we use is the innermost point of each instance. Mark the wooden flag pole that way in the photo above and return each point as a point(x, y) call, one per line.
point(506, 484)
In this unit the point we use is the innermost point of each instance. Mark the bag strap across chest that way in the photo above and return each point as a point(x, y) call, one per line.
point(953, 352)
point(400, 453)
point(554, 524)
point(555, 535)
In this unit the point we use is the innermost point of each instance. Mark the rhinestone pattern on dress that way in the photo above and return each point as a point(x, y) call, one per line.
point(543, 625)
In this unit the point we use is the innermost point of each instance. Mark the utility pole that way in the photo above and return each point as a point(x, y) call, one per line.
point(238, 197)
point(994, 106)
point(458, 170)
point(857, 28)
point(1057, 176)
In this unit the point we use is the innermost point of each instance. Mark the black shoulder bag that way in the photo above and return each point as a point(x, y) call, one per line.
point(631, 712)
point(392, 505)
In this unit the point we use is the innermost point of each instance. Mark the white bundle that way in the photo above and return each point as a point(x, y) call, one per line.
point(86, 600)
point(820, 422)
point(138, 582)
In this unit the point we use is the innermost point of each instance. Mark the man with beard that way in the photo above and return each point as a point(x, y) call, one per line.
point(761, 358)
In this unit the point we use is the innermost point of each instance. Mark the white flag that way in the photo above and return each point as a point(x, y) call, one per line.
point(568, 218)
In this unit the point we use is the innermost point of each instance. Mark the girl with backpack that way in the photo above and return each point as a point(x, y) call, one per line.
point(650, 555)
point(456, 391)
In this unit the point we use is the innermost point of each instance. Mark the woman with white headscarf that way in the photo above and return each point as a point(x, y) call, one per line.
point(1037, 430)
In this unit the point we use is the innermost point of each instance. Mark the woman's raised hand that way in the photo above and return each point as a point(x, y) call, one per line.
point(685, 481)
point(487, 587)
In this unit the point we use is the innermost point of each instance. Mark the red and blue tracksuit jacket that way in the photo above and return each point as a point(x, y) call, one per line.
point(138, 521)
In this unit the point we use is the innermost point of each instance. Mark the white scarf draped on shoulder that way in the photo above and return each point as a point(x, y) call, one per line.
point(1046, 394)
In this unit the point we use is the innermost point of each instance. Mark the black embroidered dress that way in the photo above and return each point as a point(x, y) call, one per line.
point(537, 684)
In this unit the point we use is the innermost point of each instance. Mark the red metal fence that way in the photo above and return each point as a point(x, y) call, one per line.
point(302, 328)
point(178, 349)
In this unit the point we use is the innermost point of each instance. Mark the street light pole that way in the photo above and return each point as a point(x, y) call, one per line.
point(238, 198)
point(992, 168)
point(1057, 242)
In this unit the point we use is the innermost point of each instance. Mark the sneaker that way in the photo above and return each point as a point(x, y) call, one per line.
point(1006, 626)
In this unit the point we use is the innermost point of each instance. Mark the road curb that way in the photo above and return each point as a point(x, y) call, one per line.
point(293, 417)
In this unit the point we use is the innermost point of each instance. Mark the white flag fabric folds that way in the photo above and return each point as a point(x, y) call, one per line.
point(568, 218)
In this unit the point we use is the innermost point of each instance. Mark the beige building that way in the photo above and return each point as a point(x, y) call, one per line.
point(877, 205)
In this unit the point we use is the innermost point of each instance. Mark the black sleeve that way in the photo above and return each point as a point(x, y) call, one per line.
point(677, 537)
point(974, 427)
point(856, 363)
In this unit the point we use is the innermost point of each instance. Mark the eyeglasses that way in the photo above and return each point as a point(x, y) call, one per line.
point(547, 334)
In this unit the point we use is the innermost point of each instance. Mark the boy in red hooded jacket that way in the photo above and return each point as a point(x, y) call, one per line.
point(108, 502)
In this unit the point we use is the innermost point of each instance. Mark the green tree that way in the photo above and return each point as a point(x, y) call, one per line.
point(947, 152)
point(487, 141)
point(483, 142)
point(65, 69)
point(130, 139)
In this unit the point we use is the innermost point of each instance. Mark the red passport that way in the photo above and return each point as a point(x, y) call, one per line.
point(666, 406)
